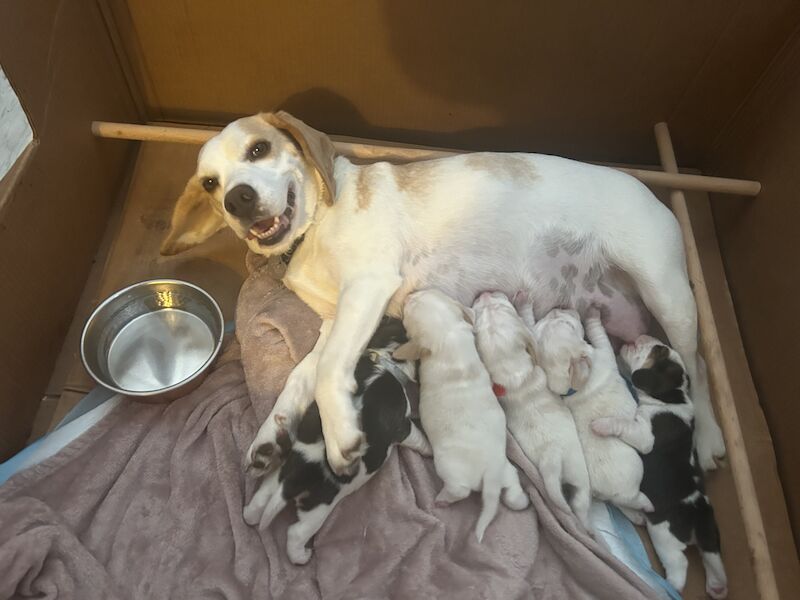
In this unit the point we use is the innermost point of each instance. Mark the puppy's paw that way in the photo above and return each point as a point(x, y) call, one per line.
point(717, 591)
point(270, 447)
point(252, 514)
point(593, 312)
point(299, 555)
point(604, 427)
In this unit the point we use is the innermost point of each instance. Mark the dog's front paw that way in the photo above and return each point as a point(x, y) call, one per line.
point(709, 443)
point(270, 447)
point(345, 451)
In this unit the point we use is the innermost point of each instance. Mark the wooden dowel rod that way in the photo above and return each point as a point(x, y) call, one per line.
point(718, 375)
point(367, 150)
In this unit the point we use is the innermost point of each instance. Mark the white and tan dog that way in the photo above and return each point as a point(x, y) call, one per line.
point(537, 418)
point(586, 376)
point(460, 414)
point(564, 232)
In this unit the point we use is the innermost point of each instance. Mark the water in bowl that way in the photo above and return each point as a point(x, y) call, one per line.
point(159, 349)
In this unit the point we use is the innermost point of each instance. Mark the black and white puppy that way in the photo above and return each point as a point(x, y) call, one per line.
point(672, 480)
point(382, 399)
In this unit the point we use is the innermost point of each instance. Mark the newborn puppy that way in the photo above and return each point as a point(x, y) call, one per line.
point(382, 398)
point(615, 468)
point(459, 411)
point(673, 480)
point(537, 418)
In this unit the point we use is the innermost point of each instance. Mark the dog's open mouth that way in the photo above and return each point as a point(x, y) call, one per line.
point(271, 231)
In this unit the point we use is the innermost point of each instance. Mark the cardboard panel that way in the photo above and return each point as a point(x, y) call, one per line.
point(758, 239)
point(58, 58)
point(583, 79)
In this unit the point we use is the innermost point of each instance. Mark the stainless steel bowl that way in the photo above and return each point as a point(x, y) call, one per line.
point(153, 341)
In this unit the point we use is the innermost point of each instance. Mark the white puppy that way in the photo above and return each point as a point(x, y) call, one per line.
point(537, 418)
point(459, 411)
point(586, 376)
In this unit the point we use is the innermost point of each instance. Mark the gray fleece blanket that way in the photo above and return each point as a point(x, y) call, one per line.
point(148, 504)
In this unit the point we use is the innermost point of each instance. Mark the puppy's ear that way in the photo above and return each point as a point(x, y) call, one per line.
point(194, 219)
point(469, 315)
point(408, 351)
point(317, 148)
point(579, 371)
point(659, 379)
point(645, 380)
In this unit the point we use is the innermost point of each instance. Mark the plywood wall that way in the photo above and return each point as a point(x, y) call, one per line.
point(761, 248)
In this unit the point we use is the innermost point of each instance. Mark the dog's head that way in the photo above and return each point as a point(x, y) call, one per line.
point(504, 342)
point(562, 352)
point(428, 316)
point(262, 176)
point(656, 369)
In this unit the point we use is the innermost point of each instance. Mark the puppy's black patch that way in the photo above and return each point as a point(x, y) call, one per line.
point(310, 428)
point(664, 379)
point(668, 473)
point(673, 479)
point(383, 418)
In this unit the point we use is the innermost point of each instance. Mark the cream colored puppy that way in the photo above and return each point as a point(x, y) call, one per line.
point(459, 411)
point(587, 378)
point(537, 418)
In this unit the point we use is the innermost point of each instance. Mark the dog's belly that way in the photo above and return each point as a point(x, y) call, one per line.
point(554, 274)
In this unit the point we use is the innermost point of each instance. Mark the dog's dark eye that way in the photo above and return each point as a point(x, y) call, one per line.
point(210, 184)
point(258, 150)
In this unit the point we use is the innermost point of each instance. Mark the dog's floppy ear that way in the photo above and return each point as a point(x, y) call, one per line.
point(195, 218)
point(408, 351)
point(317, 148)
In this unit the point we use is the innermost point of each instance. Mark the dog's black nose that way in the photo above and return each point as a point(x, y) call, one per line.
point(241, 200)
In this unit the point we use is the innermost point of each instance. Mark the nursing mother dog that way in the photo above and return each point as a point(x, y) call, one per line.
point(362, 237)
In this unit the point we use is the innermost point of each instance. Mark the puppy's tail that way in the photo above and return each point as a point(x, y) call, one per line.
point(514, 497)
point(490, 500)
point(550, 468)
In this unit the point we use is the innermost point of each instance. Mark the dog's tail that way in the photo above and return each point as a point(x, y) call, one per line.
point(490, 501)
